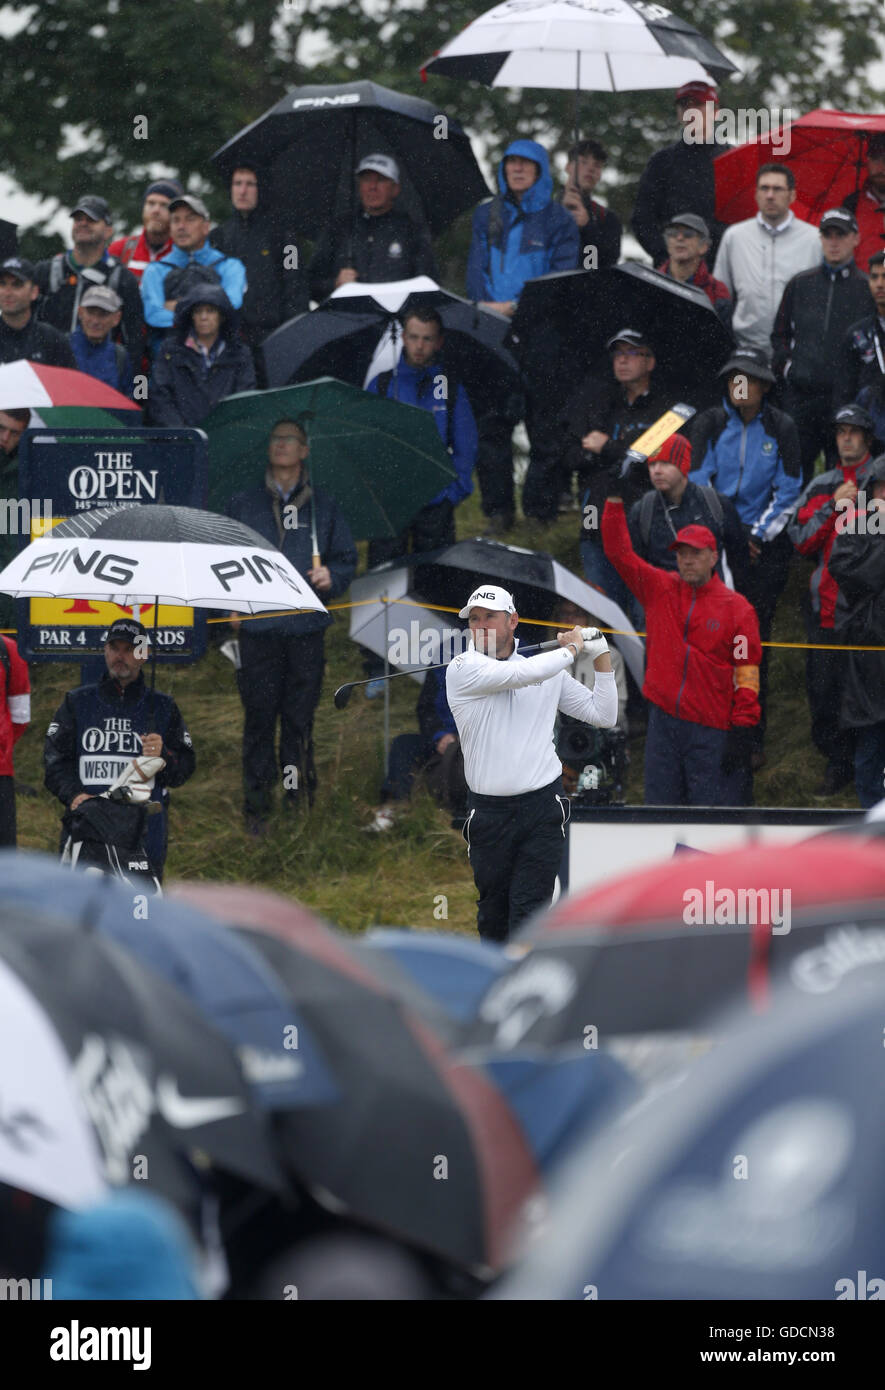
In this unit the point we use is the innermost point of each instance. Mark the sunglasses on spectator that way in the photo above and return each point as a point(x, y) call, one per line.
point(630, 352)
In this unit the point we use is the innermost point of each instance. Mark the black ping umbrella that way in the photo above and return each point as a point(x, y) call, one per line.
point(340, 336)
point(309, 144)
point(584, 308)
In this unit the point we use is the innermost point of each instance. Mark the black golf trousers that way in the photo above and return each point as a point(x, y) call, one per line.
point(280, 678)
point(514, 844)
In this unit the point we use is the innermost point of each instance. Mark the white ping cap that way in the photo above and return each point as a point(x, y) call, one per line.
point(489, 596)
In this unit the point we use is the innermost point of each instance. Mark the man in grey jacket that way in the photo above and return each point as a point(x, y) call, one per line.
point(757, 257)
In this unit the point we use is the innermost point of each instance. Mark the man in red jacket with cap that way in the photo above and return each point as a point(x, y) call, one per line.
point(15, 715)
point(702, 669)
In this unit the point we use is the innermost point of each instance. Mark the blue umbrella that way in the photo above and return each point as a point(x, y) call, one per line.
point(759, 1177)
point(442, 973)
point(219, 971)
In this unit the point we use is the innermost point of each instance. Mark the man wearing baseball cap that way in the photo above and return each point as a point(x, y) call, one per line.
point(868, 201)
point(22, 335)
point(375, 243)
point(680, 178)
point(99, 729)
point(505, 706)
point(813, 531)
point(92, 340)
point(702, 670)
point(63, 279)
point(192, 262)
point(600, 422)
point(687, 237)
point(817, 309)
point(137, 252)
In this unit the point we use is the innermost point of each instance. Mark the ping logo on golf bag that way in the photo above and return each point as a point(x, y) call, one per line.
point(109, 568)
point(261, 567)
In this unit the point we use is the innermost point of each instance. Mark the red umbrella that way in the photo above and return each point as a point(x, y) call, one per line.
point(665, 949)
point(827, 152)
point(26, 384)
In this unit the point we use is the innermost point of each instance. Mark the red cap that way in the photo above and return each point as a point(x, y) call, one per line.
point(699, 537)
point(676, 449)
point(697, 91)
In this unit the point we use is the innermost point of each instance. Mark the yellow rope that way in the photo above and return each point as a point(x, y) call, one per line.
point(533, 622)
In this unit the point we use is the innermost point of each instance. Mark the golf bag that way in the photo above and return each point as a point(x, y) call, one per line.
point(106, 833)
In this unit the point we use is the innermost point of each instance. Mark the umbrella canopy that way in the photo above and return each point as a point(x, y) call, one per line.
point(381, 461)
point(405, 1102)
point(758, 1177)
point(227, 982)
point(826, 152)
point(47, 1145)
point(355, 334)
point(127, 1033)
point(659, 951)
point(309, 144)
point(24, 384)
point(586, 307)
point(448, 576)
point(175, 555)
point(618, 47)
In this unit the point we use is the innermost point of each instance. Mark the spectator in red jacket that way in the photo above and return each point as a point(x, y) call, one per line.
point(15, 716)
point(137, 251)
point(688, 240)
point(813, 531)
point(702, 670)
point(867, 203)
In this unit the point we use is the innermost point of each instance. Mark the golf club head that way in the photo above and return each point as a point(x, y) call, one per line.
point(342, 696)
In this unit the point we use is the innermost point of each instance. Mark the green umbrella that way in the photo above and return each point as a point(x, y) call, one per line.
point(381, 461)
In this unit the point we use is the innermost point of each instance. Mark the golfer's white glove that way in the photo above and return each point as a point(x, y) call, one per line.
point(594, 642)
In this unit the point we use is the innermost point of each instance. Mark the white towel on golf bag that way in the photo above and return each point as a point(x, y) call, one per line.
point(136, 781)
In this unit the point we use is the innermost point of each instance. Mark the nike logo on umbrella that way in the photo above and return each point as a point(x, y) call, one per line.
point(186, 1112)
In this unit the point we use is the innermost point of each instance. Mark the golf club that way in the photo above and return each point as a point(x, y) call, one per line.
point(343, 693)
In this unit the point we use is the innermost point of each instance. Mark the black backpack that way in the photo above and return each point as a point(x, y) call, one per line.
point(647, 506)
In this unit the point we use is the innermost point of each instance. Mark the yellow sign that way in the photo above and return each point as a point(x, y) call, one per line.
point(661, 430)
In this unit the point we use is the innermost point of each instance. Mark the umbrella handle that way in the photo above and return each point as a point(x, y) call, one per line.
point(316, 561)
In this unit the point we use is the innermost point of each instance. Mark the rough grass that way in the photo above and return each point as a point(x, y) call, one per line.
point(417, 874)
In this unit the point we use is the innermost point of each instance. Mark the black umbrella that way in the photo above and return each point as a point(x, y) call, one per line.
point(584, 308)
point(8, 239)
point(156, 1081)
point(340, 337)
point(402, 1101)
point(308, 147)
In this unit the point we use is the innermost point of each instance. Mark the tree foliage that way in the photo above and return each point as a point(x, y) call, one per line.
point(198, 70)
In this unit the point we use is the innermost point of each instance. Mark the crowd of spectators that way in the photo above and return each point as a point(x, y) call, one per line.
point(698, 543)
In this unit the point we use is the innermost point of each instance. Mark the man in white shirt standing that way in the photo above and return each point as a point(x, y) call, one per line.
point(757, 257)
point(505, 707)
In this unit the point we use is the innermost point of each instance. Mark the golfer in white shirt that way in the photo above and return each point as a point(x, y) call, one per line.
point(505, 707)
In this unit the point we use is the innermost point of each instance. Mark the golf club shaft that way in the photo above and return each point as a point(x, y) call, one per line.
point(352, 685)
